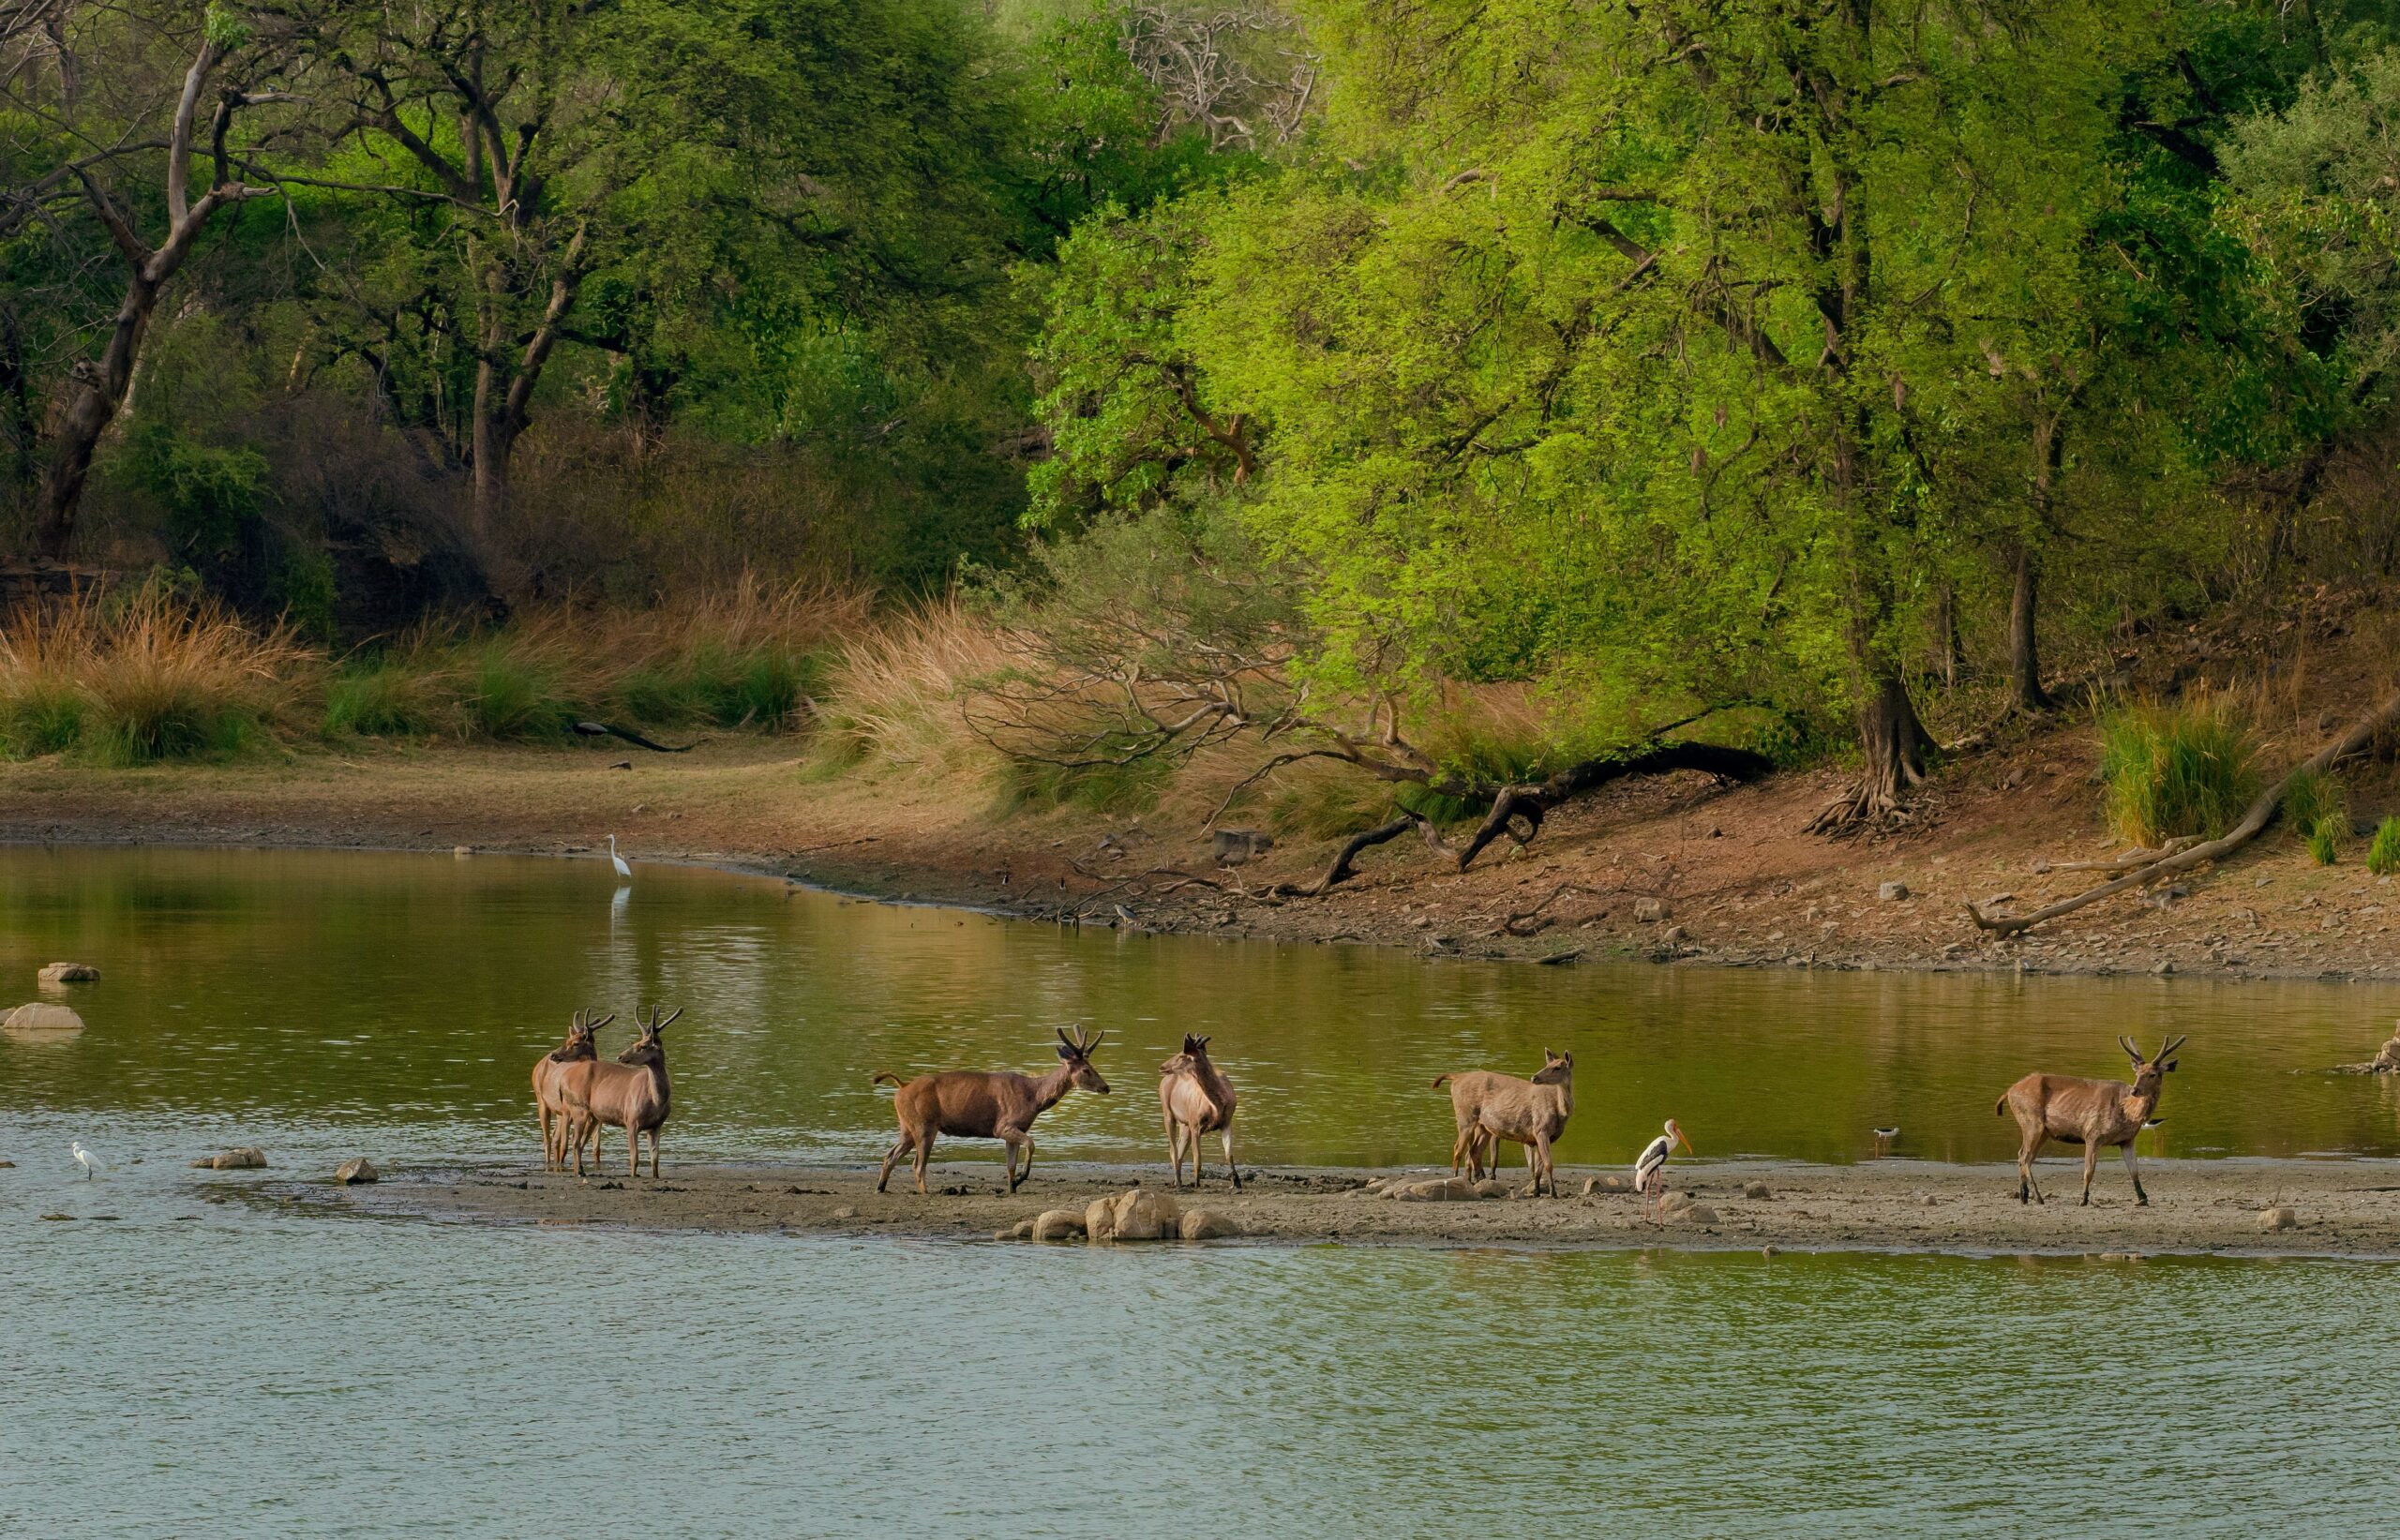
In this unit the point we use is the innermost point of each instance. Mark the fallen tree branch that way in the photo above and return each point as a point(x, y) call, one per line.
point(2126, 862)
point(1530, 804)
point(2260, 814)
point(1339, 872)
point(1525, 916)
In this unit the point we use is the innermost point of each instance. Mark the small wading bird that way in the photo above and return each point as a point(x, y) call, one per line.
point(1650, 1167)
point(86, 1158)
point(623, 871)
point(1883, 1138)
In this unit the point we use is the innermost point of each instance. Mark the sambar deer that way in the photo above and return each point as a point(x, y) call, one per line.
point(2094, 1114)
point(548, 1110)
point(1194, 1098)
point(985, 1104)
point(632, 1094)
point(1491, 1107)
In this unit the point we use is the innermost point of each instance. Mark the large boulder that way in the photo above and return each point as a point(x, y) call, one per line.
point(1607, 1184)
point(1206, 1224)
point(1059, 1224)
point(1142, 1215)
point(246, 1157)
point(70, 973)
point(1444, 1189)
point(1099, 1219)
point(359, 1170)
point(41, 1022)
point(2281, 1217)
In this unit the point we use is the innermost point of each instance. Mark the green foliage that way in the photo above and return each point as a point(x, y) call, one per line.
point(385, 697)
point(515, 695)
point(725, 687)
point(175, 720)
point(2383, 854)
point(1034, 785)
point(209, 495)
point(40, 715)
point(2318, 808)
point(2170, 770)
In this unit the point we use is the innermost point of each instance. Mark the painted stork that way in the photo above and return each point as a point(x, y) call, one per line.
point(1650, 1168)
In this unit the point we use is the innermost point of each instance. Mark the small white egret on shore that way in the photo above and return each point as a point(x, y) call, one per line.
point(623, 871)
point(1650, 1167)
point(86, 1158)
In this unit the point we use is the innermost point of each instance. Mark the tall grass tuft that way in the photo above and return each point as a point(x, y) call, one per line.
point(2318, 809)
point(2383, 852)
point(390, 698)
point(147, 676)
point(895, 691)
point(2187, 768)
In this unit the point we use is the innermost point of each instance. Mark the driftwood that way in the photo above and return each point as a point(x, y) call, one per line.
point(2260, 814)
point(1339, 872)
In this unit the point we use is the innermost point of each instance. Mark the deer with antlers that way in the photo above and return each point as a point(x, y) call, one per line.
point(997, 1104)
point(632, 1094)
point(550, 1110)
point(1195, 1098)
point(2094, 1114)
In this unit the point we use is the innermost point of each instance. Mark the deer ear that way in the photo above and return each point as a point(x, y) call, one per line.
point(1065, 1051)
point(2168, 1065)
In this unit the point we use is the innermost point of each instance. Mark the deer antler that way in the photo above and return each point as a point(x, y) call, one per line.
point(656, 1025)
point(602, 1021)
point(2172, 1044)
point(2128, 1044)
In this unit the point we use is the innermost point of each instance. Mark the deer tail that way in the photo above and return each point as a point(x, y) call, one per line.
point(2001, 1106)
point(882, 1075)
point(1437, 1081)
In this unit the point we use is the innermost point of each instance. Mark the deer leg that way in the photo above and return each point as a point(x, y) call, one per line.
point(633, 1149)
point(1231, 1170)
point(925, 1157)
point(1028, 1155)
point(2091, 1164)
point(1541, 1147)
point(890, 1159)
point(542, 1115)
point(653, 1154)
point(1174, 1147)
point(2141, 1199)
point(2025, 1183)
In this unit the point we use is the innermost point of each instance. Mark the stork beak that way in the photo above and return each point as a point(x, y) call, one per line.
point(1681, 1138)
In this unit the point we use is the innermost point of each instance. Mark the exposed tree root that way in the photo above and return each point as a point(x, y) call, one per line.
point(1530, 804)
point(2260, 814)
point(2126, 862)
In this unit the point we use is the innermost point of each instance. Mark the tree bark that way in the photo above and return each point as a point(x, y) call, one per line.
point(2024, 656)
point(1891, 740)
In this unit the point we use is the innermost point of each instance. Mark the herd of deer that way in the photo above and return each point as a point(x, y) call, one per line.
point(576, 1095)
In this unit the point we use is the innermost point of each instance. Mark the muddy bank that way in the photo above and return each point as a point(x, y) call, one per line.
point(1676, 870)
point(2340, 1208)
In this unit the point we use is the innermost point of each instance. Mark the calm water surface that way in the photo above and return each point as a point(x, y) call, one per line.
point(199, 1368)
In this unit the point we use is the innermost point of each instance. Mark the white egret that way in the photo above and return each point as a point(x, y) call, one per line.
point(625, 872)
point(86, 1158)
point(1650, 1167)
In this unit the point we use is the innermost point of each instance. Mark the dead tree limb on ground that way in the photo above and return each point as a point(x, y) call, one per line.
point(1530, 804)
point(2126, 862)
point(2260, 814)
point(1342, 871)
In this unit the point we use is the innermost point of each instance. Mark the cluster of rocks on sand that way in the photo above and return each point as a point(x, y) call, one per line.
point(1134, 1215)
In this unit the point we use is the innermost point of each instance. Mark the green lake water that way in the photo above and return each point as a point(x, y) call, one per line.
point(195, 1368)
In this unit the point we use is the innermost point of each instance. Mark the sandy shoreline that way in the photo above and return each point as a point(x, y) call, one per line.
point(2344, 1209)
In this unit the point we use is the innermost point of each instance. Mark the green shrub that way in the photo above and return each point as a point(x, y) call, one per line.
point(386, 698)
point(2383, 854)
point(39, 716)
point(2182, 770)
point(2326, 837)
point(512, 696)
point(2311, 797)
point(1035, 787)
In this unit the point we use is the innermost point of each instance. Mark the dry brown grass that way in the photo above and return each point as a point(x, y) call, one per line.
point(143, 675)
point(896, 690)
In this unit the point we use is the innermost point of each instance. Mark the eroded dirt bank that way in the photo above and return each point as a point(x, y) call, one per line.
point(2341, 1208)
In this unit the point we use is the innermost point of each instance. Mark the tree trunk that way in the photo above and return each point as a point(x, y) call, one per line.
point(1892, 741)
point(90, 406)
point(2024, 656)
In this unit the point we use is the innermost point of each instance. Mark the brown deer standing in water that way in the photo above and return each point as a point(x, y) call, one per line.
point(997, 1104)
point(548, 1110)
point(1491, 1107)
point(2094, 1113)
point(1195, 1098)
point(631, 1094)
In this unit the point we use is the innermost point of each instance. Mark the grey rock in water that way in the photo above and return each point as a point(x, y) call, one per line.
point(2281, 1217)
point(354, 1172)
point(1699, 1214)
point(1206, 1224)
point(1892, 893)
point(1492, 1187)
point(1756, 1190)
point(1770, 1251)
point(70, 973)
point(40, 1020)
point(1056, 1224)
point(246, 1157)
